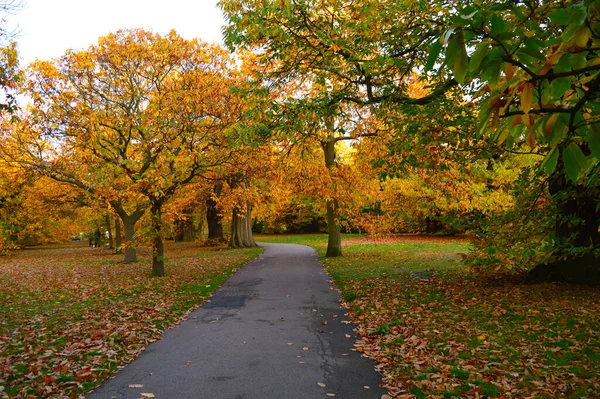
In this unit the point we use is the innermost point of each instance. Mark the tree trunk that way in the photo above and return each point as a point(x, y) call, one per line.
point(334, 242)
point(111, 241)
point(118, 238)
point(213, 218)
point(129, 221)
point(241, 228)
point(158, 249)
point(129, 227)
point(184, 227)
point(576, 227)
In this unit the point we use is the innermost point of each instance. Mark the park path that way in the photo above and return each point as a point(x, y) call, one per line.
point(275, 329)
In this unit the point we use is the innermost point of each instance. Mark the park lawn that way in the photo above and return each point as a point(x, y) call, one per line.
point(438, 330)
point(71, 315)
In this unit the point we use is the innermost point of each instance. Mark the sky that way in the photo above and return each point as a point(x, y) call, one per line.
point(47, 28)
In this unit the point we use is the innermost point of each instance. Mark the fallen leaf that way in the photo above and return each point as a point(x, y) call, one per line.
point(135, 385)
point(348, 336)
point(321, 384)
point(330, 394)
point(305, 348)
point(147, 395)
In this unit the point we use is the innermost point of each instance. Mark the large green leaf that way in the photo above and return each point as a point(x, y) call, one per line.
point(593, 140)
point(434, 53)
point(560, 16)
point(550, 161)
point(477, 56)
point(461, 60)
point(559, 87)
point(575, 161)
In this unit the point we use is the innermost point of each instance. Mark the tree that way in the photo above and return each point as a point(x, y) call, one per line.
point(139, 114)
point(329, 49)
point(534, 69)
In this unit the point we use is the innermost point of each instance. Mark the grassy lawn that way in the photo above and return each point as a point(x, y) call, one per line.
point(437, 330)
point(72, 315)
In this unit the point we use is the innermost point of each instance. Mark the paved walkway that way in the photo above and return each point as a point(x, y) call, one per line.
point(273, 330)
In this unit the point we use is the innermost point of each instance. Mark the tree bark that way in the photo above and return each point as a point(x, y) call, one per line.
point(213, 218)
point(241, 228)
point(129, 221)
point(130, 252)
point(184, 227)
point(118, 238)
point(334, 242)
point(111, 241)
point(158, 249)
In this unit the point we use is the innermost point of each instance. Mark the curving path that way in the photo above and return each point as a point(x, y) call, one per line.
point(275, 329)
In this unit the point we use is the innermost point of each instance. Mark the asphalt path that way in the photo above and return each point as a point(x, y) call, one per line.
point(275, 329)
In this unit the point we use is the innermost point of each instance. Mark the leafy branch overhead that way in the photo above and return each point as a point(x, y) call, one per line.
point(535, 67)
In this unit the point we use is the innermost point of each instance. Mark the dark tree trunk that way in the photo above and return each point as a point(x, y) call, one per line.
point(129, 221)
point(241, 228)
point(184, 227)
point(158, 249)
point(118, 237)
point(576, 227)
point(334, 242)
point(213, 218)
point(111, 241)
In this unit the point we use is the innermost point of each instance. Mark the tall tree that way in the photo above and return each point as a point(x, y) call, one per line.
point(151, 113)
point(328, 47)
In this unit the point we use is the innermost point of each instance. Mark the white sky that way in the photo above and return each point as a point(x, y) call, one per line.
point(47, 28)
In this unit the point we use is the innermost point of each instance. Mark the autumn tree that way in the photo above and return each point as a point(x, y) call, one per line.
point(133, 118)
point(534, 69)
point(330, 48)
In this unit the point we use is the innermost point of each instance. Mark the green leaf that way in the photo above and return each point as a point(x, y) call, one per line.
point(559, 86)
point(497, 24)
point(530, 53)
point(434, 53)
point(482, 118)
point(461, 61)
point(574, 160)
point(578, 17)
point(560, 17)
point(477, 56)
point(550, 161)
point(559, 131)
point(593, 140)
point(545, 91)
point(579, 60)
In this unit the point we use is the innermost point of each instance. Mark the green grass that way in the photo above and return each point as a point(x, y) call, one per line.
point(446, 332)
point(64, 295)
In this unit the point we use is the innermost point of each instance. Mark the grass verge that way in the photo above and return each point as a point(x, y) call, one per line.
point(71, 316)
point(437, 330)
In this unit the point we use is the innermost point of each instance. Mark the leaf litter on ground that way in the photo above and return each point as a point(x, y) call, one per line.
point(71, 316)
